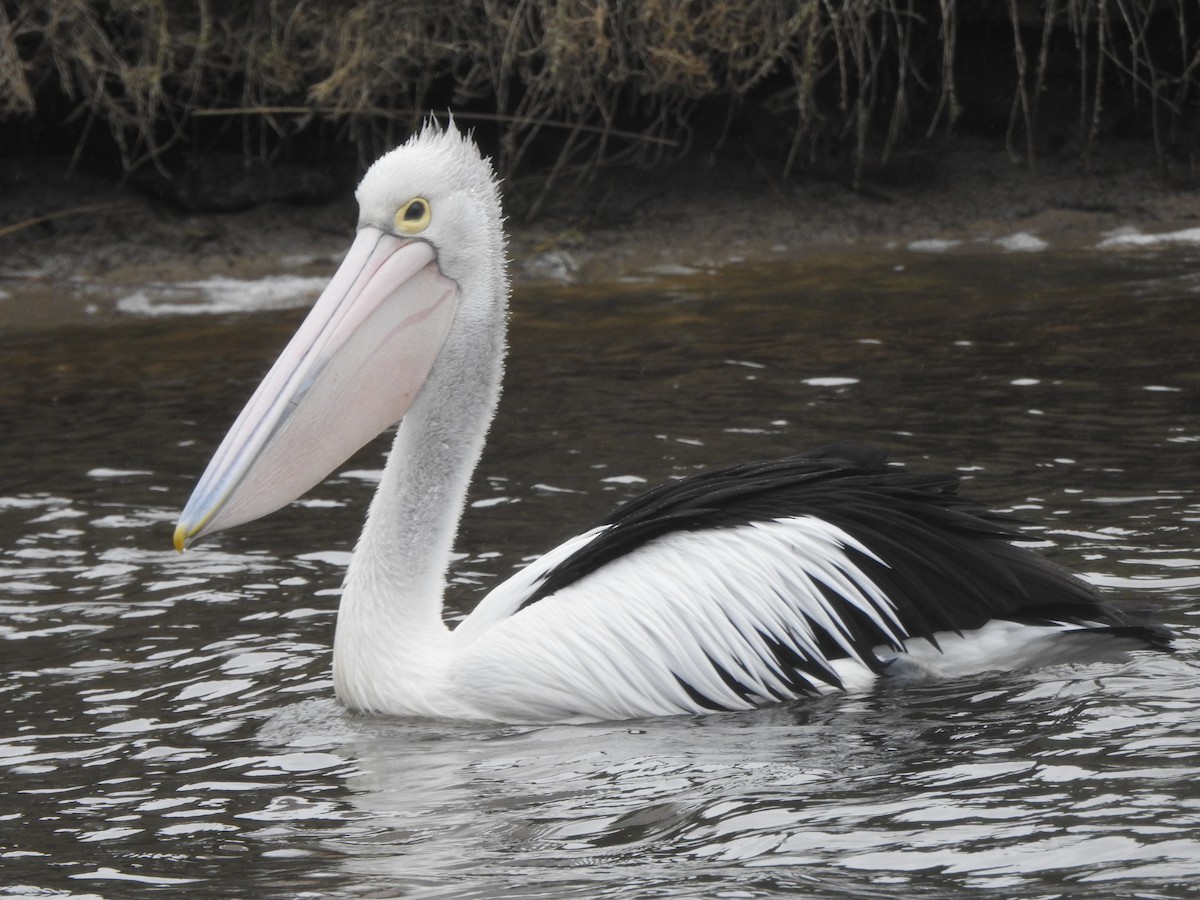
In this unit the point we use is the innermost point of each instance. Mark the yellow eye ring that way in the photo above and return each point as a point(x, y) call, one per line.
point(413, 217)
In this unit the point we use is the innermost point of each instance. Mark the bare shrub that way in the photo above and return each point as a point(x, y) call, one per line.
point(606, 81)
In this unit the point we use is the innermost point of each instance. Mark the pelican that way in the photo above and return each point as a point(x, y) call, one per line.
point(729, 590)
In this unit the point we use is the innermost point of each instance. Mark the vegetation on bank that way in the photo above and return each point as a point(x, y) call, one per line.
point(566, 85)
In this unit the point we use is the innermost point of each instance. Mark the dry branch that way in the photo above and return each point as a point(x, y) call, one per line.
point(596, 81)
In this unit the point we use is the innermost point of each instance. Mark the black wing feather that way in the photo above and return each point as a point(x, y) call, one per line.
point(948, 563)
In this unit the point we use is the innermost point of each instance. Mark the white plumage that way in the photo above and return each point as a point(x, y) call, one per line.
point(737, 588)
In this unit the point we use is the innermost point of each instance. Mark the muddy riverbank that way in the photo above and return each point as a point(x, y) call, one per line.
point(71, 243)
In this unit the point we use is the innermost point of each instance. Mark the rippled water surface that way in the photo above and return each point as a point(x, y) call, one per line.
point(168, 722)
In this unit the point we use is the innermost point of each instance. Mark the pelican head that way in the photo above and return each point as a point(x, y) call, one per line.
point(429, 250)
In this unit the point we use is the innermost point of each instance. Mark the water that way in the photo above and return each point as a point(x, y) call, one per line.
point(168, 721)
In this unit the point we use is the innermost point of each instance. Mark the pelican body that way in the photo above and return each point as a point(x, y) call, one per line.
point(751, 585)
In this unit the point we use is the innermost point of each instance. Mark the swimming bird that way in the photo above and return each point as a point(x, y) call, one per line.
point(729, 590)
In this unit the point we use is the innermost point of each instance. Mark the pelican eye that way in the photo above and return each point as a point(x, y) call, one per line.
point(413, 217)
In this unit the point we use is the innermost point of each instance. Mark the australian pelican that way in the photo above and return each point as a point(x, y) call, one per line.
point(725, 591)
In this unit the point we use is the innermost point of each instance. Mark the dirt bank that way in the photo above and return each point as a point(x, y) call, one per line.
point(89, 240)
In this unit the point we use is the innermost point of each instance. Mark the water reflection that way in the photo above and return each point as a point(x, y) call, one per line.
point(169, 721)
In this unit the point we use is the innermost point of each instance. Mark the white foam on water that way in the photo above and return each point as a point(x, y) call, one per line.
point(1022, 242)
point(217, 296)
point(1129, 236)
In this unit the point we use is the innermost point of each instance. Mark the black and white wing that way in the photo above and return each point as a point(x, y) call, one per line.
point(760, 583)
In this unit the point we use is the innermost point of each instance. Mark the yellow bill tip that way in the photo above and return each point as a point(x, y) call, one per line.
point(181, 537)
